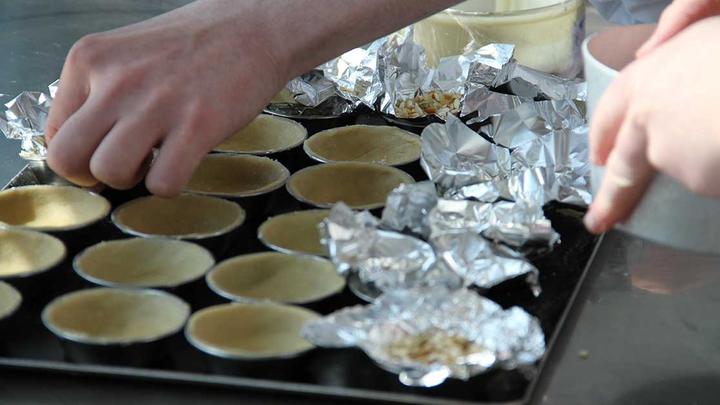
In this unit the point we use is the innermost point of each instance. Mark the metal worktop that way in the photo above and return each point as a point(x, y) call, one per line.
point(643, 332)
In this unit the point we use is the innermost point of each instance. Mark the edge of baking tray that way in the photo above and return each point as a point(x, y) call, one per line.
point(16, 179)
point(569, 308)
point(31, 174)
point(231, 382)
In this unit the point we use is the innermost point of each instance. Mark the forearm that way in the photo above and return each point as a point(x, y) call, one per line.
point(326, 28)
point(314, 31)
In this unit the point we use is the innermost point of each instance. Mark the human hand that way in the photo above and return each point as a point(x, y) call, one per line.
point(679, 15)
point(660, 114)
point(182, 81)
point(186, 80)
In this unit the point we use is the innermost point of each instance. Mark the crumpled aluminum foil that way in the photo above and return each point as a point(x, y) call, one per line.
point(463, 163)
point(527, 82)
point(481, 262)
point(529, 120)
point(563, 157)
point(394, 261)
point(483, 192)
point(518, 224)
point(464, 84)
point(408, 206)
point(487, 103)
point(515, 223)
point(384, 261)
point(552, 135)
point(454, 156)
point(389, 260)
point(459, 216)
point(344, 232)
point(489, 62)
point(414, 90)
point(431, 334)
point(356, 74)
point(315, 97)
point(311, 89)
point(405, 75)
point(25, 118)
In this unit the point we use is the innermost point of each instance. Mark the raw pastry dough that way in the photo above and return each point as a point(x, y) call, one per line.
point(265, 134)
point(23, 253)
point(51, 208)
point(294, 279)
point(364, 143)
point(359, 185)
point(295, 232)
point(110, 315)
point(183, 216)
point(250, 331)
point(10, 299)
point(237, 176)
point(140, 262)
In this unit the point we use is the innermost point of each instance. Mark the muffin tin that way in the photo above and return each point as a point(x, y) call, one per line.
point(341, 374)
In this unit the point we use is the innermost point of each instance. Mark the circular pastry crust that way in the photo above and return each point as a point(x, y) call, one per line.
point(106, 316)
point(279, 277)
point(384, 145)
point(184, 217)
point(250, 331)
point(10, 300)
point(226, 175)
point(359, 185)
point(264, 135)
point(143, 262)
point(24, 253)
point(294, 232)
point(51, 208)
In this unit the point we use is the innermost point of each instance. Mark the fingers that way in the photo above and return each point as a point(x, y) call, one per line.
point(120, 159)
point(608, 117)
point(627, 175)
point(677, 16)
point(70, 96)
point(73, 145)
point(178, 158)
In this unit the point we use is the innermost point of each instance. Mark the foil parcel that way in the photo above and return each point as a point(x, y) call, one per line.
point(24, 119)
point(389, 260)
point(452, 253)
point(414, 90)
point(311, 95)
point(427, 335)
point(336, 87)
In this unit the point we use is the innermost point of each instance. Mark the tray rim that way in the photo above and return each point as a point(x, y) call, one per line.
point(293, 388)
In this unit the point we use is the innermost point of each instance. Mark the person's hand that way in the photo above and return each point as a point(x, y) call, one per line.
point(182, 81)
point(661, 113)
point(679, 15)
point(186, 80)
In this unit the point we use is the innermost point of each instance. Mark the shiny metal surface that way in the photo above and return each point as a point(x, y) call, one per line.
point(645, 332)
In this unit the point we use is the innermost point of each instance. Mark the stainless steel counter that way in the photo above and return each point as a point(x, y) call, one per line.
point(644, 331)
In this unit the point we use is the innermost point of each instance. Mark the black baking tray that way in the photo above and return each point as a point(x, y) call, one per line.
point(345, 374)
